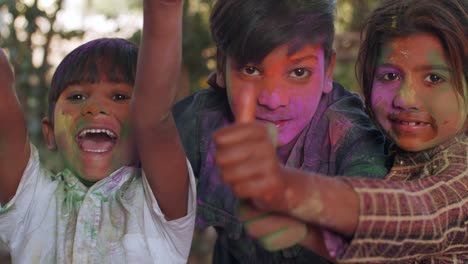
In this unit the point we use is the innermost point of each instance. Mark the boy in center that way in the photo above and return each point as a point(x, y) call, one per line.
point(283, 50)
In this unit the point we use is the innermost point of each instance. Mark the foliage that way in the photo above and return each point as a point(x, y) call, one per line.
point(27, 31)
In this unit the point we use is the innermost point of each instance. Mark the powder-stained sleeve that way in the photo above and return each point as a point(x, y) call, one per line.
point(34, 182)
point(177, 233)
point(424, 219)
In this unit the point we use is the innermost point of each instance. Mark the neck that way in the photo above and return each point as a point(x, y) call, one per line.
point(284, 151)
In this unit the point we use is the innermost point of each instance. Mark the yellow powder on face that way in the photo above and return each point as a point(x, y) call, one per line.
point(408, 94)
point(63, 122)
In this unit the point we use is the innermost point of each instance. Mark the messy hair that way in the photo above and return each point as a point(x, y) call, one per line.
point(248, 30)
point(445, 19)
point(105, 59)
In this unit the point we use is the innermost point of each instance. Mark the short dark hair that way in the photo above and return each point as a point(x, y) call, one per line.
point(445, 19)
point(248, 30)
point(104, 59)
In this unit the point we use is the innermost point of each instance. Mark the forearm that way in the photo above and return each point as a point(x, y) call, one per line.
point(159, 61)
point(322, 200)
point(14, 144)
point(399, 219)
point(159, 147)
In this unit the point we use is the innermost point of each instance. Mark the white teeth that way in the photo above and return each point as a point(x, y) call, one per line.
point(413, 123)
point(95, 131)
point(95, 150)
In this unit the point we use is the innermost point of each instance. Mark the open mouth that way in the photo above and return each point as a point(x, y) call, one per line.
point(411, 123)
point(96, 140)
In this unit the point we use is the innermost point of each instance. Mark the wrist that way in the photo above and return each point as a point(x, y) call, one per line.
point(301, 197)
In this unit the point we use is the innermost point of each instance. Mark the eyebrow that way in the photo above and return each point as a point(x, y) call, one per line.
point(433, 67)
point(307, 57)
point(419, 67)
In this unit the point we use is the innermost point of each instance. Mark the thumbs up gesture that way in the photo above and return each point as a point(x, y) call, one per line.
point(246, 156)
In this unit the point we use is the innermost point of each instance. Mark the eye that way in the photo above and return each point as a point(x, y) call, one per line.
point(388, 77)
point(391, 76)
point(120, 97)
point(250, 70)
point(433, 78)
point(300, 73)
point(76, 97)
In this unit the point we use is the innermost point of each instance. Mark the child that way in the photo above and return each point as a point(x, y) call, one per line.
point(102, 208)
point(414, 70)
point(283, 50)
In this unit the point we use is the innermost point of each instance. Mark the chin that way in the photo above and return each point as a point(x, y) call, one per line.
point(412, 145)
point(96, 174)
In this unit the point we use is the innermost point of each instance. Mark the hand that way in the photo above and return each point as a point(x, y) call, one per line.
point(273, 231)
point(247, 158)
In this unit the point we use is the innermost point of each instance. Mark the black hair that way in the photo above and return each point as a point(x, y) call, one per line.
point(104, 59)
point(248, 30)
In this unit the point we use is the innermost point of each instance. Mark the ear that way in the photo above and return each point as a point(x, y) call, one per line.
point(220, 79)
point(328, 86)
point(48, 134)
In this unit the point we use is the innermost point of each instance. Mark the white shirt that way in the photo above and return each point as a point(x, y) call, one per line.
point(57, 219)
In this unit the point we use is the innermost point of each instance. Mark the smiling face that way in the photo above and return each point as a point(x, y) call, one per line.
point(91, 129)
point(288, 87)
point(413, 97)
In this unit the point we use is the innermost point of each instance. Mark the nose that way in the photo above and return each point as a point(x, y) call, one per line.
point(93, 107)
point(273, 96)
point(406, 97)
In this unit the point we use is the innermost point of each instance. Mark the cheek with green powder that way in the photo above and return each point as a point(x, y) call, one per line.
point(65, 139)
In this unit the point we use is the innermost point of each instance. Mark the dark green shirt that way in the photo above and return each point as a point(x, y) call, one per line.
point(339, 140)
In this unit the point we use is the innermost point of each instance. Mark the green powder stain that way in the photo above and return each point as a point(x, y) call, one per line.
point(270, 241)
point(385, 55)
point(6, 209)
point(70, 150)
point(283, 238)
point(255, 219)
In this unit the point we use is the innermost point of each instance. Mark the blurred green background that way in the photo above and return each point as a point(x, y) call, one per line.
point(36, 34)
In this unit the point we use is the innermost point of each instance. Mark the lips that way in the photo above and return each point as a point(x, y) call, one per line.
point(410, 121)
point(278, 122)
point(96, 139)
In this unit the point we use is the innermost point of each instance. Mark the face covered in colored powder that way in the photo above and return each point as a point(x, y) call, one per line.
point(413, 96)
point(91, 128)
point(288, 87)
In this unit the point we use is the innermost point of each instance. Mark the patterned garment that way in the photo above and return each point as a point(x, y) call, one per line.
point(423, 221)
point(339, 140)
point(57, 219)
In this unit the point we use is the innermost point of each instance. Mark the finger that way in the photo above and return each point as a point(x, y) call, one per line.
point(246, 212)
point(239, 133)
point(231, 155)
point(246, 107)
point(255, 187)
point(249, 172)
point(275, 231)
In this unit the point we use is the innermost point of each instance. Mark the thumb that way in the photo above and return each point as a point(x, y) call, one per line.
point(246, 107)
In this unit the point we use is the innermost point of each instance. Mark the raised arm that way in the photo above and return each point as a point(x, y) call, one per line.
point(159, 147)
point(14, 144)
